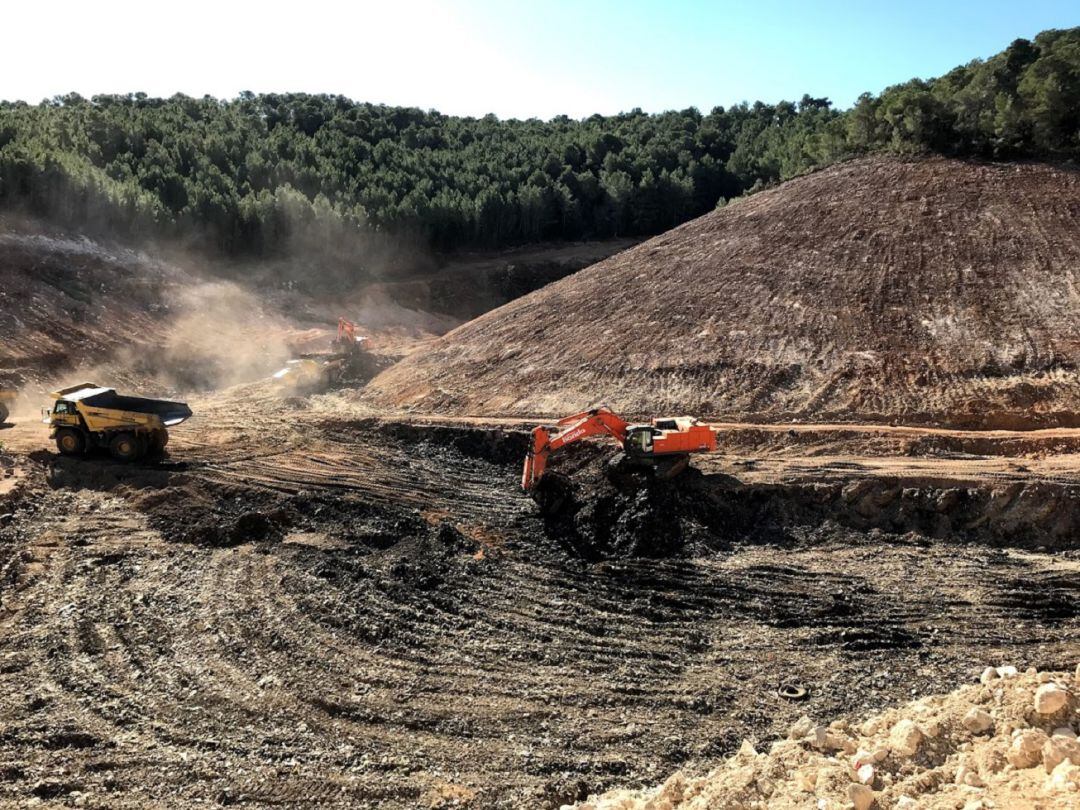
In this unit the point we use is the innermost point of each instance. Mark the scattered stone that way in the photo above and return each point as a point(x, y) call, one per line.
point(905, 738)
point(1059, 749)
point(800, 728)
point(989, 674)
point(1007, 672)
point(969, 777)
point(977, 721)
point(1064, 731)
point(860, 796)
point(1026, 748)
point(1065, 778)
point(1050, 698)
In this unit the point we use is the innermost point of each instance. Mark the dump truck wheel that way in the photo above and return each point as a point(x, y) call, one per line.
point(157, 441)
point(3, 413)
point(125, 447)
point(70, 442)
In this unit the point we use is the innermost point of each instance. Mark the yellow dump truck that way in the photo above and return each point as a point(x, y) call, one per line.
point(7, 396)
point(86, 416)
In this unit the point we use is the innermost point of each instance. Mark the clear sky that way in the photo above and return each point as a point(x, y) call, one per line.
point(515, 59)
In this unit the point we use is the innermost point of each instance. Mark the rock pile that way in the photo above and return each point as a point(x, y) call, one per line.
point(1009, 741)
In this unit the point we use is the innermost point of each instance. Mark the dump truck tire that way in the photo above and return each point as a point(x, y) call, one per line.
point(126, 447)
point(3, 413)
point(70, 442)
point(157, 441)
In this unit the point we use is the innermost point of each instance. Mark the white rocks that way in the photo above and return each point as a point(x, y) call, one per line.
point(906, 801)
point(864, 757)
point(1026, 748)
point(1060, 749)
point(806, 780)
point(1007, 672)
point(1065, 779)
point(989, 674)
point(905, 737)
point(800, 728)
point(860, 796)
point(977, 721)
point(969, 777)
point(1050, 698)
point(865, 774)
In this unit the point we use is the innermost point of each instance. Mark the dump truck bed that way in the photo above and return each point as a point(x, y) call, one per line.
point(95, 396)
point(170, 413)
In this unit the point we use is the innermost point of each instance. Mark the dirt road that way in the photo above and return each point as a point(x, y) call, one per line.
point(304, 604)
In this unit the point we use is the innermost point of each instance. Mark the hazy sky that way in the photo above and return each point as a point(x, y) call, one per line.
point(516, 59)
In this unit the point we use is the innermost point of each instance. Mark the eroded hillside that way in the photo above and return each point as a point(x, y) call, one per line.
point(918, 291)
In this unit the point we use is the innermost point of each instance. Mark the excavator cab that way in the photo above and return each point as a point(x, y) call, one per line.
point(639, 440)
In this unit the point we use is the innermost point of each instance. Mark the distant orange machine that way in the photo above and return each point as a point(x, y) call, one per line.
point(664, 443)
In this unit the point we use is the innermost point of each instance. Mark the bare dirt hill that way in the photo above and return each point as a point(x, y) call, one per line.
point(65, 301)
point(919, 291)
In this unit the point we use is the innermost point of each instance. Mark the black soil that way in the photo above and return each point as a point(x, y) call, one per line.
point(383, 619)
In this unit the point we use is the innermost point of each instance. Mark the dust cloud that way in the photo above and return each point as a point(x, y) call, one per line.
point(221, 335)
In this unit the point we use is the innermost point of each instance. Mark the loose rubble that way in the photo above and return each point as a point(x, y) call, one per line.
point(1007, 742)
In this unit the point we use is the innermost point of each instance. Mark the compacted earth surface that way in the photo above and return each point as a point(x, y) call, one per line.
point(306, 603)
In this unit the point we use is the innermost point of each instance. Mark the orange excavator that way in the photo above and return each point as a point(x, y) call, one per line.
point(346, 335)
point(663, 444)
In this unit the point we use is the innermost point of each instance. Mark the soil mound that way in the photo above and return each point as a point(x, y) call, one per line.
point(1008, 742)
point(920, 291)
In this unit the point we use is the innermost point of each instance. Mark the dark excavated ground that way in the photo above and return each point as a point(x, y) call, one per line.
point(378, 617)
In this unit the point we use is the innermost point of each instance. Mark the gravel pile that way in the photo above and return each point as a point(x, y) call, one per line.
point(1009, 741)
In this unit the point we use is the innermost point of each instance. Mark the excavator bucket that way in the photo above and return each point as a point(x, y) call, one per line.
point(536, 459)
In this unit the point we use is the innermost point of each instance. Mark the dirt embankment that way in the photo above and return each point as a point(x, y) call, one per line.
point(921, 291)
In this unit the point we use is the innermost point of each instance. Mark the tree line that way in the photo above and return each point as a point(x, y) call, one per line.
point(257, 175)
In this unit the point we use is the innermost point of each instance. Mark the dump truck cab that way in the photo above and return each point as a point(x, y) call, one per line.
point(88, 416)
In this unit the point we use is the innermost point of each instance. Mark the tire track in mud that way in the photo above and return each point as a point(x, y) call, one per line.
point(400, 673)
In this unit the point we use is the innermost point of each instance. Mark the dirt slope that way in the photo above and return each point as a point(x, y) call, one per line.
point(928, 290)
point(66, 300)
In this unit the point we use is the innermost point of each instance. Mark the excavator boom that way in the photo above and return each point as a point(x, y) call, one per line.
point(597, 422)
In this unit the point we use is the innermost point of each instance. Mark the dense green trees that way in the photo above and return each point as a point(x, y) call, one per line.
point(263, 175)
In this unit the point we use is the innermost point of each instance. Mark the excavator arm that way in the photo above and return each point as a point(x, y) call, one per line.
point(596, 422)
point(346, 331)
